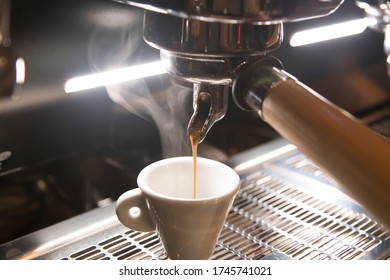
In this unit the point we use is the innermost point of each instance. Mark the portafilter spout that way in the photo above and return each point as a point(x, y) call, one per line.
point(210, 105)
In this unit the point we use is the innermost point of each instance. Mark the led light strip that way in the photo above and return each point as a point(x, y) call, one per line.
point(330, 32)
point(114, 76)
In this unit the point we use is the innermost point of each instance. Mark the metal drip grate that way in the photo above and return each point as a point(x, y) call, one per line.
point(299, 163)
point(268, 216)
point(131, 245)
point(281, 218)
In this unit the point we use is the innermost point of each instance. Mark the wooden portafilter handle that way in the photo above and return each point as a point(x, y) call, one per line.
point(355, 156)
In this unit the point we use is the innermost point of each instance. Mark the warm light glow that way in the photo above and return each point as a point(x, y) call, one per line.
point(330, 32)
point(114, 76)
point(20, 71)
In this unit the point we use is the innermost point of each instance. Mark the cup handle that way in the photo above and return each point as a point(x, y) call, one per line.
point(132, 211)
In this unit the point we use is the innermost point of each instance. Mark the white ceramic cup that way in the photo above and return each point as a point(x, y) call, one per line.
point(188, 228)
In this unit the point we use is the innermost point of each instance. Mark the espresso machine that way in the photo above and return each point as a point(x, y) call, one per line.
point(320, 191)
point(219, 44)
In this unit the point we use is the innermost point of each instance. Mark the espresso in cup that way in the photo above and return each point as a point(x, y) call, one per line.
point(164, 201)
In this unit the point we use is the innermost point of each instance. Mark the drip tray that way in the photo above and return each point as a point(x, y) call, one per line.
point(287, 208)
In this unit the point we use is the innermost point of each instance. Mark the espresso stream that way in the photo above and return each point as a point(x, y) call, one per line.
point(196, 127)
point(194, 144)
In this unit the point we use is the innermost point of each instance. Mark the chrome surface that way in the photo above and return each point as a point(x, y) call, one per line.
point(239, 11)
point(216, 71)
point(287, 208)
point(212, 39)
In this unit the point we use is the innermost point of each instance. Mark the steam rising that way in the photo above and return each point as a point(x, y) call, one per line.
point(112, 47)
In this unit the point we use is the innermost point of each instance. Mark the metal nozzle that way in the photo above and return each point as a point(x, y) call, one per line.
point(210, 105)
